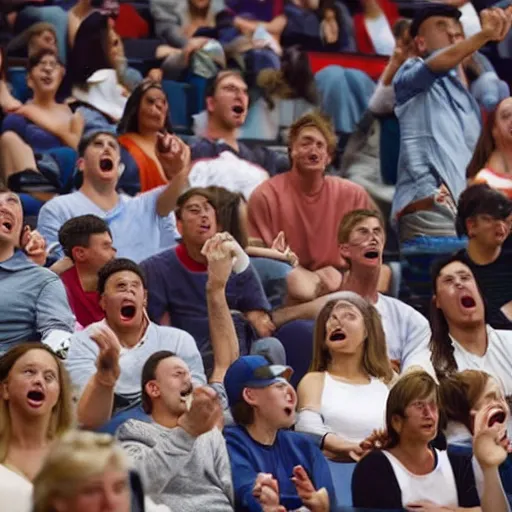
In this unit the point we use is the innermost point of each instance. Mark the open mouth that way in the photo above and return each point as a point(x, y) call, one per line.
point(288, 411)
point(371, 255)
point(35, 398)
point(187, 391)
point(428, 426)
point(238, 109)
point(467, 301)
point(47, 80)
point(337, 335)
point(7, 225)
point(498, 416)
point(128, 312)
point(204, 227)
point(106, 164)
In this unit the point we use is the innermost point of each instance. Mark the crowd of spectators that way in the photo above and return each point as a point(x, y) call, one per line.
point(296, 298)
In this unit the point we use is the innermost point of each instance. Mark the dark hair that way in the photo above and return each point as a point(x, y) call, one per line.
point(37, 57)
point(194, 191)
point(441, 345)
point(77, 231)
point(87, 140)
point(243, 413)
point(90, 51)
point(485, 145)
point(400, 27)
point(409, 387)
point(227, 205)
point(129, 123)
point(212, 83)
point(3, 64)
point(149, 373)
point(119, 265)
point(481, 199)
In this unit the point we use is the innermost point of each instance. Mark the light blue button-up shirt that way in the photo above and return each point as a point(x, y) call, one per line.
point(33, 303)
point(440, 122)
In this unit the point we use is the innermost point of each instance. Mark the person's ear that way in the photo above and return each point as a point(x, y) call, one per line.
point(179, 226)
point(435, 301)
point(30, 82)
point(153, 389)
point(420, 44)
point(397, 422)
point(102, 302)
point(79, 254)
point(344, 251)
point(210, 104)
point(249, 395)
point(471, 226)
point(4, 391)
point(80, 164)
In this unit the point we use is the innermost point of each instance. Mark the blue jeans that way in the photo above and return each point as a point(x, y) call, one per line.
point(272, 274)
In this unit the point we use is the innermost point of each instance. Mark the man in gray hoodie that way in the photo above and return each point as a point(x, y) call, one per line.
point(181, 454)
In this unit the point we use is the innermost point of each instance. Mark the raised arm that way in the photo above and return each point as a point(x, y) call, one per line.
point(174, 156)
point(220, 252)
point(97, 400)
point(495, 27)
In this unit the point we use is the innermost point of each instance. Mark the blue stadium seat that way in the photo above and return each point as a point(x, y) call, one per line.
point(177, 95)
point(17, 76)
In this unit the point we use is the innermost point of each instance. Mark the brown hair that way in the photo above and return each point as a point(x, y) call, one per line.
point(243, 413)
point(459, 394)
point(484, 146)
point(149, 374)
point(352, 219)
point(415, 385)
point(316, 120)
point(195, 191)
point(62, 414)
point(375, 357)
point(227, 204)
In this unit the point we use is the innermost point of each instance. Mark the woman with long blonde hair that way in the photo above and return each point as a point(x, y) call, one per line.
point(35, 409)
point(343, 396)
point(84, 472)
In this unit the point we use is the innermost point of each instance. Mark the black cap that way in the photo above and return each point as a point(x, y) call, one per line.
point(424, 13)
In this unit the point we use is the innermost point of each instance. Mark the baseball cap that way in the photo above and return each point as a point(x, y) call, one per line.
point(252, 372)
point(424, 13)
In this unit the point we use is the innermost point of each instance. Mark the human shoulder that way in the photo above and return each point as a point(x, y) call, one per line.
point(310, 385)
point(404, 311)
point(62, 202)
point(171, 337)
point(343, 186)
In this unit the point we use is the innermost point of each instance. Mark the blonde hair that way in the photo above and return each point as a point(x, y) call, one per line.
point(316, 120)
point(375, 357)
point(76, 457)
point(62, 414)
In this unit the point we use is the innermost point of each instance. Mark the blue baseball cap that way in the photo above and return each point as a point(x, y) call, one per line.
point(252, 372)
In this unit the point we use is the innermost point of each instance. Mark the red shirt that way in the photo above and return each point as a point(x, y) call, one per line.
point(85, 305)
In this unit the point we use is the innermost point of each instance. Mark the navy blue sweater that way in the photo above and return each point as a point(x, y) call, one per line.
point(290, 449)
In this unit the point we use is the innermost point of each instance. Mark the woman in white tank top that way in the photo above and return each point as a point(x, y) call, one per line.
point(343, 397)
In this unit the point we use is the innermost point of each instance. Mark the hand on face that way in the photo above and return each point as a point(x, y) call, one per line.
point(490, 442)
point(107, 362)
point(204, 414)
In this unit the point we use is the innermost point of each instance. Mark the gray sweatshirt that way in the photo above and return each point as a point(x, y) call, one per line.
point(185, 473)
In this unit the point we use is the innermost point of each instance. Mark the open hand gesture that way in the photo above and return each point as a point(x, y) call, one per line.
point(316, 501)
point(107, 362)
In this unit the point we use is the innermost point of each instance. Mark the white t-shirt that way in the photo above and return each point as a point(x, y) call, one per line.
point(497, 360)
point(437, 486)
point(229, 171)
point(15, 491)
point(407, 333)
point(353, 411)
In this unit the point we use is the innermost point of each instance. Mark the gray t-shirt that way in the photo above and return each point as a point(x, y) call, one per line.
point(81, 361)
